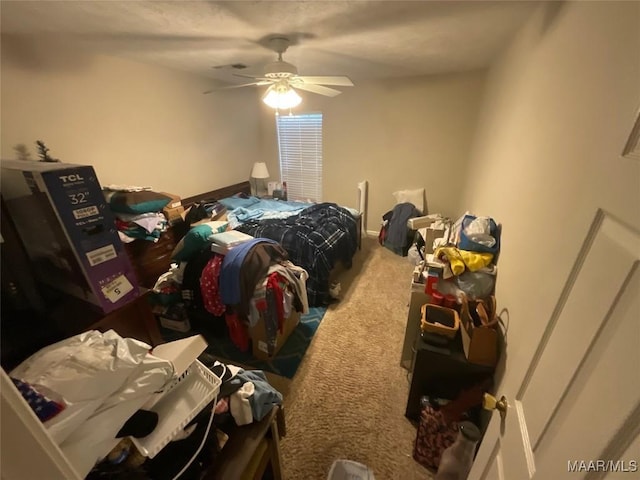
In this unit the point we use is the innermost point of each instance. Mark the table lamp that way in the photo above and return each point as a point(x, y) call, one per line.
point(258, 174)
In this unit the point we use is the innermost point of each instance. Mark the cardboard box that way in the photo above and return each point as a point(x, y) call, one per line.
point(258, 336)
point(429, 236)
point(175, 202)
point(174, 215)
point(480, 344)
point(69, 233)
point(174, 209)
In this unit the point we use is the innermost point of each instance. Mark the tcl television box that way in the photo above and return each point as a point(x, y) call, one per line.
point(68, 231)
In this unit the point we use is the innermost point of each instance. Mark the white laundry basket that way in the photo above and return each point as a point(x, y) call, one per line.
point(350, 470)
point(177, 405)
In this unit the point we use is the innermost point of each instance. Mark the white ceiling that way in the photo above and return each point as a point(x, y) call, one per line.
point(361, 39)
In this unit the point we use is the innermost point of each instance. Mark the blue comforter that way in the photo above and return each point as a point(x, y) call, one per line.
point(242, 210)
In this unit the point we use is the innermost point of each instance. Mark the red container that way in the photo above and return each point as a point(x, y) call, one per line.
point(437, 298)
point(449, 301)
point(430, 284)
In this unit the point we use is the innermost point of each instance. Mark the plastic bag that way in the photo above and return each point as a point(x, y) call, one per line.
point(479, 231)
point(476, 284)
point(350, 470)
point(102, 379)
point(413, 255)
point(447, 287)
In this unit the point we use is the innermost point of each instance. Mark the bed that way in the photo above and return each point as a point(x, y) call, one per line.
point(317, 237)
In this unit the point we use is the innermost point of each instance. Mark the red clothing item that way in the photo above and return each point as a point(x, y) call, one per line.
point(274, 282)
point(210, 286)
point(237, 331)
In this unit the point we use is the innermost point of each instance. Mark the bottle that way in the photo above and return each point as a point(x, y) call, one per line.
point(457, 459)
point(284, 191)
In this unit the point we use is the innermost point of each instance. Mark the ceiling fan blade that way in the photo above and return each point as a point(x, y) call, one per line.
point(255, 77)
point(228, 87)
point(327, 80)
point(326, 91)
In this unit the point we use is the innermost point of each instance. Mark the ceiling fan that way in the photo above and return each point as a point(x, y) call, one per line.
point(283, 79)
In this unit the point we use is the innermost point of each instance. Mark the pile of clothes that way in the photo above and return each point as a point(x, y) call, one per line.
point(394, 233)
point(145, 226)
point(138, 211)
point(254, 282)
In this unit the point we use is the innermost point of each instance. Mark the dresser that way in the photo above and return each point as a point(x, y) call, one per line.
point(152, 259)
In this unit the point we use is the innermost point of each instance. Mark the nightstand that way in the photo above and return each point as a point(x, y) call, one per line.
point(251, 450)
point(442, 373)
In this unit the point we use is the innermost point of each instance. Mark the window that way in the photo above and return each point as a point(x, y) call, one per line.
point(300, 145)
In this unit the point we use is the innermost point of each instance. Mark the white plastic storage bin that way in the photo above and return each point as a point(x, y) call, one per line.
point(177, 405)
point(350, 470)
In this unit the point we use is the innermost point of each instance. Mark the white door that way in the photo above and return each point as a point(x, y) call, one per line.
point(576, 412)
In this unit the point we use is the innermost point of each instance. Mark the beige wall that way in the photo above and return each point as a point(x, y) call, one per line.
point(136, 124)
point(143, 125)
point(399, 134)
point(559, 108)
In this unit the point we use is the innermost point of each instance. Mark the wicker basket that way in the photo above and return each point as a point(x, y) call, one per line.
point(439, 320)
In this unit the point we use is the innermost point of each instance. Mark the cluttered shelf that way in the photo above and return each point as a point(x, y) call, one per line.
point(454, 336)
point(159, 414)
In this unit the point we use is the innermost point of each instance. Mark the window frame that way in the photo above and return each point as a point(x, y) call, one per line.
point(300, 154)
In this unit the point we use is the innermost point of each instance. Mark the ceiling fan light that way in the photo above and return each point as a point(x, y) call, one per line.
point(281, 98)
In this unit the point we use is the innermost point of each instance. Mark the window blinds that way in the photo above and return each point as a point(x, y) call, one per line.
point(300, 145)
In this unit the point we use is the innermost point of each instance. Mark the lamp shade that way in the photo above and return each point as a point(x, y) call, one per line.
point(259, 170)
point(281, 96)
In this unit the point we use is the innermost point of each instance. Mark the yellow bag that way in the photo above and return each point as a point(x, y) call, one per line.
point(459, 260)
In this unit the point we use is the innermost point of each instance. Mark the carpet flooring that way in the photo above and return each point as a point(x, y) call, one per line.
point(347, 399)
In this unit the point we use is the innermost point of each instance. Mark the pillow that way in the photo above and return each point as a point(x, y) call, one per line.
point(137, 202)
point(204, 211)
point(416, 197)
point(194, 241)
point(235, 202)
point(218, 226)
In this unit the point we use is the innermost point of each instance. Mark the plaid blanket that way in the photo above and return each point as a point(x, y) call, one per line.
point(315, 239)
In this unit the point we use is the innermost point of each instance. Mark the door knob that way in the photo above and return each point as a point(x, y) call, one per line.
point(489, 402)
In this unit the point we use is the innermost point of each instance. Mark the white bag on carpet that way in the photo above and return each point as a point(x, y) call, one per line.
point(350, 470)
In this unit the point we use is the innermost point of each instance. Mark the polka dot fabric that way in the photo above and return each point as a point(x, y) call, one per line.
point(210, 287)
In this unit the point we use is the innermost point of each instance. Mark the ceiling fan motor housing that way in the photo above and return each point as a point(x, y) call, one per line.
point(280, 69)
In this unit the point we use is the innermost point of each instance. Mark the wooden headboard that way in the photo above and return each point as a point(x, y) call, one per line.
point(242, 187)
